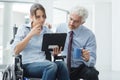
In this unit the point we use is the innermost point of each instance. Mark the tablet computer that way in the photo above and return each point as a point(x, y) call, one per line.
point(52, 40)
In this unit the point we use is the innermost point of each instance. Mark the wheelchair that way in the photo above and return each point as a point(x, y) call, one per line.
point(18, 68)
point(15, 71)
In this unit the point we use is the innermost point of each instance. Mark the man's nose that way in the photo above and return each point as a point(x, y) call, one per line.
point(71, 22)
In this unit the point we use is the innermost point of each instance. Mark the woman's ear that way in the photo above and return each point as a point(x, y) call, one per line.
point(31, 17)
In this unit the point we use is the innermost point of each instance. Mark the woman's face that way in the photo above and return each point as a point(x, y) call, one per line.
point(39, 18)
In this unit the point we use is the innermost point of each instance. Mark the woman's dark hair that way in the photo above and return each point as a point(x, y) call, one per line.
point(35, 7)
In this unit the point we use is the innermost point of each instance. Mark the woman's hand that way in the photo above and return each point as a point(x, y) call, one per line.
point(57, 50)
point(36, 30)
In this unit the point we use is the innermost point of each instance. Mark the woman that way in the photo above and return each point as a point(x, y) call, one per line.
point(28, 43)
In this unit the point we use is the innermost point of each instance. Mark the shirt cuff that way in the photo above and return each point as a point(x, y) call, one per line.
point(91, 62)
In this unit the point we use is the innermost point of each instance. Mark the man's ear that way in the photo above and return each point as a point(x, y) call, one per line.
point(83, 22)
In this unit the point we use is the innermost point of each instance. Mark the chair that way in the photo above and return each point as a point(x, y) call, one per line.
point(18, 70)
point(14, 32)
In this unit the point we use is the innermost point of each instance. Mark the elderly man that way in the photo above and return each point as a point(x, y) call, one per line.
point(80, 37)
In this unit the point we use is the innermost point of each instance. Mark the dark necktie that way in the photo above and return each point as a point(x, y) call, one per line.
point(69, 50)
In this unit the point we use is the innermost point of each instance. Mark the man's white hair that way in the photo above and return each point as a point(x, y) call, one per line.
point(81, 11)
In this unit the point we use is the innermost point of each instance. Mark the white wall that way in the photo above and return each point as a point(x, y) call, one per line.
point(103, 26)
point(18, 18)
point(18, 0)
point(7, 15)
point(1, 21)
point(115, 35)
point(1, 16)
point(48, 4)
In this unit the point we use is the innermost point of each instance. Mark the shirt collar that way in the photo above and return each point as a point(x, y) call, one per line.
point(76, 31)
point(29, 25)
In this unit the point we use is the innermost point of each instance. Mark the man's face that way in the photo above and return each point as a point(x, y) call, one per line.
point(74, 21)
point(39, 18)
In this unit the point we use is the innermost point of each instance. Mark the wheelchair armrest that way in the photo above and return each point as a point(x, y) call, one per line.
point(18, 60)
point(59, 57)
point(18, 67)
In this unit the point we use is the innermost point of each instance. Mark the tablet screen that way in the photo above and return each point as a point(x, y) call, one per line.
point(52, 40)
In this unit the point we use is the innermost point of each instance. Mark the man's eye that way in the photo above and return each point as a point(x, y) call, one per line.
point(70, 18)
point(43, 16)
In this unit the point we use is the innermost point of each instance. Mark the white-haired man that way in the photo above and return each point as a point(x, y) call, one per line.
point(84, 39)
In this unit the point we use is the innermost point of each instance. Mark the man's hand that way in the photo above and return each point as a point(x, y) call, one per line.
point(49, 25)
point(85, 55)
